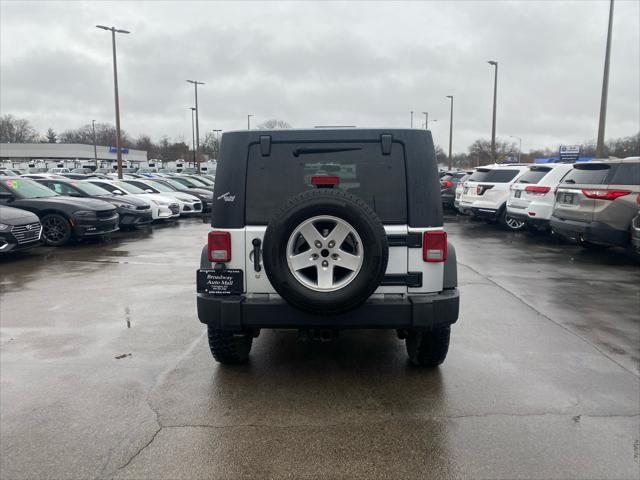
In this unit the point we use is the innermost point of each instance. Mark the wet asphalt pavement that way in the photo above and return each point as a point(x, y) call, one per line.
point(542, 378)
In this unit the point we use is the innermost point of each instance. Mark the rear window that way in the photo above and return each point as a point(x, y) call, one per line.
point(534, 175)
point(362, 169)
point(626, 174)
point(587, 174)
point(496, 175)
point(479, 175)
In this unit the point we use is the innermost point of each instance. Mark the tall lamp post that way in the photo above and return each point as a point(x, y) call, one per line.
point(113, 31)
point(249, 121)
point(411, 119)
point(95, 149)
point(493, 124)
point(426, 120)
point(450, 133)
point(519, 148)
point(195, 85)
point(605, 88)
point(217, 136)
point(193, 134)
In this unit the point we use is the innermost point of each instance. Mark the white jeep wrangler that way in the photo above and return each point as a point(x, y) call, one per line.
point(325, 230)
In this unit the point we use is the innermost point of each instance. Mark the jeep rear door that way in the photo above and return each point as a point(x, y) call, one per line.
point(361, 169)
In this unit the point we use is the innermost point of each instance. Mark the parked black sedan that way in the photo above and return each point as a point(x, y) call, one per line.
point(133, 211)
point(63, 218)
point(19, 229)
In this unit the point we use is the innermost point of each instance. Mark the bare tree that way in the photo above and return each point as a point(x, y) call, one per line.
point(16, 130)
point(105, 135)
point(480, 151)
point(273, 124)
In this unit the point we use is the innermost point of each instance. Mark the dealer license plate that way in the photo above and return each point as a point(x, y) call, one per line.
point(220, 282)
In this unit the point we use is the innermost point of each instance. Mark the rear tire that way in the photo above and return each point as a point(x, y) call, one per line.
point(227, 348)
point(510, 223)
point(428, 349)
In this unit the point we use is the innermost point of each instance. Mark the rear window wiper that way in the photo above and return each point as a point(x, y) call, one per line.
point(305, 151)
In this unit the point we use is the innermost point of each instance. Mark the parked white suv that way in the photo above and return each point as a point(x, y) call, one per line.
point(533, 194)
point(486, 192)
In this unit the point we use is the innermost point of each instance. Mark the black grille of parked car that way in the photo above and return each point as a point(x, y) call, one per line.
point(175, 208)
point(197, 207)
point(105, 213)
point(27, 233)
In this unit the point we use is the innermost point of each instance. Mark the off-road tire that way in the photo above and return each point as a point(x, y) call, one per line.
point(428, 349)
point(227, 348)
point(347, 207)
point(63, 232)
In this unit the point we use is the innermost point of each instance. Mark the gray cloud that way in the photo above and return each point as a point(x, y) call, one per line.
point(314, 63)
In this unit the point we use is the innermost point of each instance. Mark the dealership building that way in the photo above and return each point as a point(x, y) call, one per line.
point(71, 155)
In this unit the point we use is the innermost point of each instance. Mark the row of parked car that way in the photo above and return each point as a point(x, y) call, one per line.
point(595, 203)
point(56, 209)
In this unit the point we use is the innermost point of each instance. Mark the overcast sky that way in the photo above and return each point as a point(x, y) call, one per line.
point(321, 63)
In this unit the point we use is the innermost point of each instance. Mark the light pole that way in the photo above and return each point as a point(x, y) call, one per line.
point(193, 134)
point(249, 121)
point(113, 31)
point(426, 120)
point(605, 88)
point(493, 125)
point(450, 133)
point(195, 85)
point(217, 137)
point(519, 148)
point(95, 149)
point(411, 118)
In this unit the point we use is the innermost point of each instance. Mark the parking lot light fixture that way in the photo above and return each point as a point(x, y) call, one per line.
point(450, 132)
point(249, 121)
point(493, 124)
point(605, 88)
point(113, 31)
point(193, 135)
point(195, 85)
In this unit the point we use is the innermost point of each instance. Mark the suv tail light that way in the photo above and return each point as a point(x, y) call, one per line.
point(219, 247)
point(601, 194)
point(447, 184)
point(325, 180)
point(434, 246)
point(536, 189)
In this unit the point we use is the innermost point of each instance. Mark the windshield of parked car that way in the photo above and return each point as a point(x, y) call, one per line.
point(534, 175)
point(204, 181)
point(26, 188)
point(177, 185)
point(184, 181)
point(127, 187)
point(91, 189)
point(160, 186)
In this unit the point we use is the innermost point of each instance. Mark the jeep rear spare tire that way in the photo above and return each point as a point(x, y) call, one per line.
point(325, 251)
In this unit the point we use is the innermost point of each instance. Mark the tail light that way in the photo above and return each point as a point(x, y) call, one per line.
point(219, 247)
point(447, 184)
point(434, 246)
point(601, 194)
point(536, 189)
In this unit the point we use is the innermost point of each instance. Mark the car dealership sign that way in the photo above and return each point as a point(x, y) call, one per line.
point(569, 153)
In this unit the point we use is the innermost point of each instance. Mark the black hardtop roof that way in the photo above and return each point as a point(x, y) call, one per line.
point(320, 134)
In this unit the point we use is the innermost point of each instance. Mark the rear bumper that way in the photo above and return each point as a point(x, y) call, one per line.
point(594, 232)
point(524, 217)
point(422, 312)
point(489, 213)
